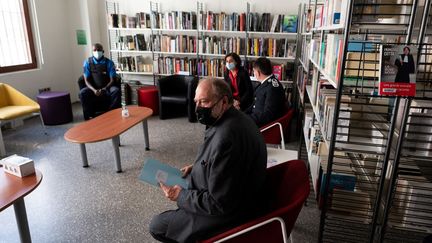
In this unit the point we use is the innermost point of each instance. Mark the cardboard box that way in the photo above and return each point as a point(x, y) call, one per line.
point(18, 165)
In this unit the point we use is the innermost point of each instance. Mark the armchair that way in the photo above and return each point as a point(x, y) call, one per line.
point(98, 105)
point(14, 105)
point(177, 91)
point(288, 187)
point(274, 131)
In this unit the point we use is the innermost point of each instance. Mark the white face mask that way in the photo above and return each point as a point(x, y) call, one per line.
point(97, 54)
point(230, 65)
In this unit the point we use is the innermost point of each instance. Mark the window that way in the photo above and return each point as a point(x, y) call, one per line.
point(16, 38)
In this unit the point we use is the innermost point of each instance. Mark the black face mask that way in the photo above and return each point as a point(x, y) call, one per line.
point(204, 115)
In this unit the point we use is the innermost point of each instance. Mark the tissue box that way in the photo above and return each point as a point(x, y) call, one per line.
point(18, 165)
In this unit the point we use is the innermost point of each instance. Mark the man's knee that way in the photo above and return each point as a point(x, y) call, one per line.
point(157, 225)
point(85, 93)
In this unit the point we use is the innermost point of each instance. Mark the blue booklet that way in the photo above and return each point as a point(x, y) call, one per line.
point(155, 171)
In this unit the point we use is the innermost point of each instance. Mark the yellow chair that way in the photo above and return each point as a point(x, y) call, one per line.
point(14, 105)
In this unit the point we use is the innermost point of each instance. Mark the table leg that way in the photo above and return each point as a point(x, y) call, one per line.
point(21, 218)
point(146, 137)
point(116, 141)
point(84, 155)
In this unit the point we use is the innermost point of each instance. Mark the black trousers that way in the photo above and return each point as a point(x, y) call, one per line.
point(108, 100)
point(159, 226)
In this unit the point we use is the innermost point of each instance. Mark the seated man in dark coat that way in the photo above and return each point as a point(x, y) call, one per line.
point(99, 92)
point(269, 102)
point(226, 181)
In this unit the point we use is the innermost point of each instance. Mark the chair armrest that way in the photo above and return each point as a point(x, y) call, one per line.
point(280, 130)
point(232, 233)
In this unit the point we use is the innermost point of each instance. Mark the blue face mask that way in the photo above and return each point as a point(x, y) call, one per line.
point(230, 65)
point(97, 54)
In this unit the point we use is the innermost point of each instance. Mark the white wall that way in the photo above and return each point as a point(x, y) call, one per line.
point(58, 21)
point(55, 72)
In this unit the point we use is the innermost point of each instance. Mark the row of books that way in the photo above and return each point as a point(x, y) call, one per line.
point(178, 43)
point(180, 20)
point(140, 20)
point(343, 181)
point(222, 45)
point(362, 58)
point(135, 64)
point(138, 42)
point(332, 12)
point(175, 20)
point(277, 23)
point(222, 21)
point(270, 47)
point(191, 66)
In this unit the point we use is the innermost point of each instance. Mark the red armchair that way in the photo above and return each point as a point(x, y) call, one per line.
point(288, 187)
point(274, 132)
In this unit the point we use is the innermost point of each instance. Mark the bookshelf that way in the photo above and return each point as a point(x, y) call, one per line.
point(369, 155)
point(147, 45)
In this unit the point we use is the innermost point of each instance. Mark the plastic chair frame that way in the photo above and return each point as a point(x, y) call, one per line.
point(282, 224)
point(280, 130)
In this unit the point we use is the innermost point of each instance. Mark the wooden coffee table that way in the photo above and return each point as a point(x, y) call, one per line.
point(109, 126)
point(13, 189)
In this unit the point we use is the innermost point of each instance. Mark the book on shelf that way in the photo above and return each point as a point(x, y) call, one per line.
point(140, 42)
point(289, 23)
point(143, 20)
point(113, 20)
point(279, 71)
point(155, 172)
point(397, 70)
point(333, 12)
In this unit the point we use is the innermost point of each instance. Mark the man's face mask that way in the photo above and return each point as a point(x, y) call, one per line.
point(98, 54)
point(204, 114)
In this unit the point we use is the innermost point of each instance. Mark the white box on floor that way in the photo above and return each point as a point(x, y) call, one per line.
point(18, 165)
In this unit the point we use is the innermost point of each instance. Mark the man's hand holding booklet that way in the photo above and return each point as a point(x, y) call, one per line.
point(155, 172)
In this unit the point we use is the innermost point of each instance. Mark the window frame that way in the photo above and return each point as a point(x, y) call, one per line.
point(30, 39)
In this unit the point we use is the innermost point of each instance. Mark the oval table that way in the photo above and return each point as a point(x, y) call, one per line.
point(109, 125)
point(13, 189)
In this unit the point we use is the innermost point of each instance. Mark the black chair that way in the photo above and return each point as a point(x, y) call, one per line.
point(176, 93)
point(102, 104)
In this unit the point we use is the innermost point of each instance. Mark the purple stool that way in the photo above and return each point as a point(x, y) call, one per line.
point(55, 107)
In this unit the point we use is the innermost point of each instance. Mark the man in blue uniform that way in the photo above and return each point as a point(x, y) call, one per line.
point(99, 77)
point(269, 102)
point(226, 181)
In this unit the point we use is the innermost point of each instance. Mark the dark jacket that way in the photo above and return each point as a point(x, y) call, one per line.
point(404, 69)
point(269, 103)
point(226, 182)
point(244, 87)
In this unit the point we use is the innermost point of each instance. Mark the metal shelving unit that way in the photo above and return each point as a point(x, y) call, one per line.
point(387, 145)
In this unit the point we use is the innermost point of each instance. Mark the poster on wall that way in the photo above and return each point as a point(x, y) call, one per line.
point(398, 70)
point(81, 37)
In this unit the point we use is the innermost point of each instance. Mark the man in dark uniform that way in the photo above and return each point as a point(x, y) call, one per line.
point(226, 181)
point(269, 102)
point(99, 76)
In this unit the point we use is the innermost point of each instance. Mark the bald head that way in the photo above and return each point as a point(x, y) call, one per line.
point(215, 89)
